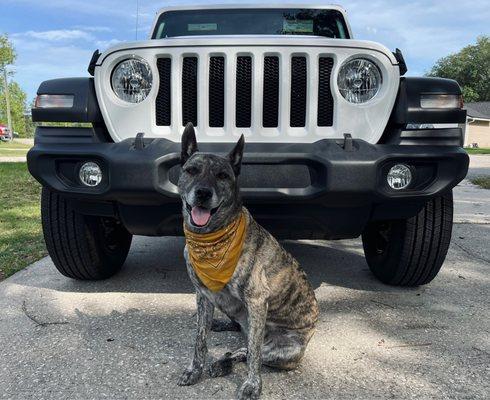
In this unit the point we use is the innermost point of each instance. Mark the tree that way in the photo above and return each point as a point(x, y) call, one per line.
point(17, 107)
point(470, 67)
point(7, 52)
point(7, 56)
point(17, 97)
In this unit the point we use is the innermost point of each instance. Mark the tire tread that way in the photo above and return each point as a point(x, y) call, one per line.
point(425, 240)
point(74, 241)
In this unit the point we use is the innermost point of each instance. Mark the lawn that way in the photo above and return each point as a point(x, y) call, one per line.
point(478, 151)
point(483, 181)
point(13, 149)
point(12, 153)
point(21, 241)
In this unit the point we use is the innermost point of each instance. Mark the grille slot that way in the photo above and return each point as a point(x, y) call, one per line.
point(270, 103)
point(325, 99)
point(189, 90)
point(163, 103)
point(243, 111)
point(216, 92)
point(298, 92)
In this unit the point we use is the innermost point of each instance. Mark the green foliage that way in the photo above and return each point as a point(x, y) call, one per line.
point(17, 108)
point(18, 103)
point(7, 52)
point(470, 67)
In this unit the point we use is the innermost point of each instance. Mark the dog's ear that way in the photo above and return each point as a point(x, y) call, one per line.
point(236, 155)
point(189, 143)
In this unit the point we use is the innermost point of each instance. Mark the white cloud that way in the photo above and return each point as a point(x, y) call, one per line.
point(93, 28)
point(104, 44)
point(57, 35)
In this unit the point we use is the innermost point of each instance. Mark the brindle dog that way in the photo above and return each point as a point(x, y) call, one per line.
point(268, 295)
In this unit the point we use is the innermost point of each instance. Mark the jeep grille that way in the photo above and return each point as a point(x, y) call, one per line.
point(243, 88)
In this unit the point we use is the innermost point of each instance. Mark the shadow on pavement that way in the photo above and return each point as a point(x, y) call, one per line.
point(156, 265)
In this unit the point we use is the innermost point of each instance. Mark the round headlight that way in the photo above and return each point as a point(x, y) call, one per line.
point(359, 80)
point(131, 80)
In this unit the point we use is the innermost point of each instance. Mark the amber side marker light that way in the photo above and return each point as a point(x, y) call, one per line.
point(441, 101)
point(54, 101)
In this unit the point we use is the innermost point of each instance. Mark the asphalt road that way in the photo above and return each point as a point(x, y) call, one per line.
point(130, 337)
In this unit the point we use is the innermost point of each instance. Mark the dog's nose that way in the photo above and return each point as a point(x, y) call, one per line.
point(203, 194)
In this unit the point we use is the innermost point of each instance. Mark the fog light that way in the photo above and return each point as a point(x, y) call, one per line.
point(90, 174)
point(399, 177)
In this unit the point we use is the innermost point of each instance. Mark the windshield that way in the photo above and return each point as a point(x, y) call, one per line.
point(260, 21)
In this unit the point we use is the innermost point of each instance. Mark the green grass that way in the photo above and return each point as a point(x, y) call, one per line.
point(21, 241)
point(483, 181)
point(478, 151)
point(12, 153)
point(13, 149)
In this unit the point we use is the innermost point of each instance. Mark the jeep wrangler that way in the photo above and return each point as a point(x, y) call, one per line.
point(338, 143)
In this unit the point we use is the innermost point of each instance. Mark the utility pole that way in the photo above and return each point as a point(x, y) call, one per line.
point(7, 100)
point(137, 18)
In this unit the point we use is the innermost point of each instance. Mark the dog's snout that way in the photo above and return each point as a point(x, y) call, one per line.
point(203, 194)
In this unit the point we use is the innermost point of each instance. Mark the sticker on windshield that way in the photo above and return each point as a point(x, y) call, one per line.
point(304, 26)
point(202, 27)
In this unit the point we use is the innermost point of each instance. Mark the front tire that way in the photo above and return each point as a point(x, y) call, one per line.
point(410, 252)
point(82, 247)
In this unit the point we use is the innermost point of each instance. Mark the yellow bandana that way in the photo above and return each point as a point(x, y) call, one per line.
point(214, 256)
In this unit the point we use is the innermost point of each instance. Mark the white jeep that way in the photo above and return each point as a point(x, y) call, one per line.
point(338, 143)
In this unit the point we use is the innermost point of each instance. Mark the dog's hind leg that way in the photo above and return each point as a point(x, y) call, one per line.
point(224, 365)
point(284, 349)
point(221, 325)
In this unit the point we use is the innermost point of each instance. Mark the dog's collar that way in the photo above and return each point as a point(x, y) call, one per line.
point(214, 256)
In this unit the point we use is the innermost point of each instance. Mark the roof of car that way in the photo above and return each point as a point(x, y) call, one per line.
point(271, 4)
point(479, 109)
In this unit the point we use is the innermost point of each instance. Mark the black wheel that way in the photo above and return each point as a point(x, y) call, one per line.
point(82, 247)
point(410, 252)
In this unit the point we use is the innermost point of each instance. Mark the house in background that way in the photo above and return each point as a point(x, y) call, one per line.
point(477, 125)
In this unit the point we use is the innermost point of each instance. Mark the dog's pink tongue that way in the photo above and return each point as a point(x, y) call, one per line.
point(200, 215)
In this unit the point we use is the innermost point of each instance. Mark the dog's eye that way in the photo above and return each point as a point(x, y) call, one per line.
point(192, 170)
point(222, 176)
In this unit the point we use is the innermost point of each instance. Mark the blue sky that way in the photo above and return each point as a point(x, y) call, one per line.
point(56, 38)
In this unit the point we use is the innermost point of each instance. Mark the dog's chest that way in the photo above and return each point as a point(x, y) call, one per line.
point(226, 300)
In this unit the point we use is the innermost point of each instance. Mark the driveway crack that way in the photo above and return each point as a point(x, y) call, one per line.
point(470, 253)
point(36, 320)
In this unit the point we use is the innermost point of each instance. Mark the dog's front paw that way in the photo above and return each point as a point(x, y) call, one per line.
point(250, 389)
point(190, 377)
point(221, 367)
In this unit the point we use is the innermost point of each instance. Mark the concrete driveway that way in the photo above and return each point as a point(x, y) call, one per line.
point(130, 337)
point(479, 165)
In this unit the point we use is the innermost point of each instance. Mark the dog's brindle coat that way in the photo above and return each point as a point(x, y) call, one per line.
point(268, 295)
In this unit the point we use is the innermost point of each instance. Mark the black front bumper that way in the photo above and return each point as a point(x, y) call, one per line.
point(296, 190)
